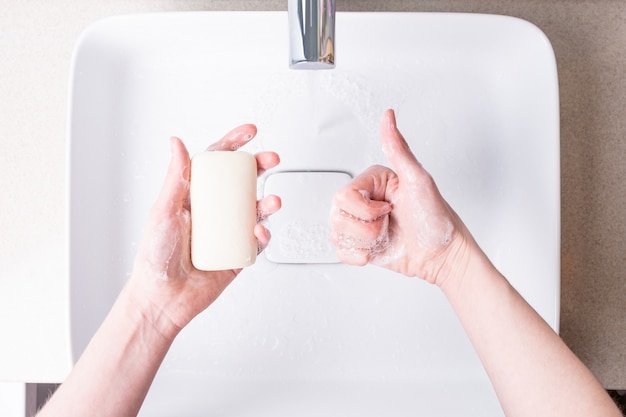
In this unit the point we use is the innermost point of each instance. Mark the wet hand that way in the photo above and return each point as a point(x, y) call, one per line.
point(165, 285)
point(396, 218)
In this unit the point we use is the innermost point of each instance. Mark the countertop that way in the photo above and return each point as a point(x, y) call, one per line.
point(36, 43)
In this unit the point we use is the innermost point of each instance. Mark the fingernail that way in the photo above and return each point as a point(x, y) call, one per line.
point(391, 120)
point(172, 143)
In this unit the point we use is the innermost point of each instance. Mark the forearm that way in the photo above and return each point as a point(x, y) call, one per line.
point(116, 370)
point(531, 369)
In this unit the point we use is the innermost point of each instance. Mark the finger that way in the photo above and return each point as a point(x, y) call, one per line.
point(234, 139)
point(357, 257)
point(364, 196)
point(175, 189)
point(265, 161)
point(395, 147)
point(267, 206)
point(263, 237)
point(362, 234)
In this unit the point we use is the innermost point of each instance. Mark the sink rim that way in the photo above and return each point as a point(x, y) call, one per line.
point(118, 19)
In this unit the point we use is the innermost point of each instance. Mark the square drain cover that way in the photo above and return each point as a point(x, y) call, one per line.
point(301, 228)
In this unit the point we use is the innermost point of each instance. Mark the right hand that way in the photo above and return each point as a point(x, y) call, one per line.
point(397, 218)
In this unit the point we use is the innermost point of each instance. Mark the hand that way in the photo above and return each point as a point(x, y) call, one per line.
point(165, 285)
point(397, 218)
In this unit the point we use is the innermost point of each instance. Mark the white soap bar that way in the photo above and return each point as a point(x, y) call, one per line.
point(222, 195)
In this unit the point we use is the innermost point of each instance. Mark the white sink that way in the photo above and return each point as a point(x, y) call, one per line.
point(475, 95)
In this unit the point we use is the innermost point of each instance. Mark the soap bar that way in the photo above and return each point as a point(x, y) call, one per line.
point(222, 196)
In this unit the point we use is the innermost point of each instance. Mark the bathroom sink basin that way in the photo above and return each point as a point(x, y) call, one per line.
point(475, 95)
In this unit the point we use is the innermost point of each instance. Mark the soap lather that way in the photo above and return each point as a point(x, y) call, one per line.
point(222, 196)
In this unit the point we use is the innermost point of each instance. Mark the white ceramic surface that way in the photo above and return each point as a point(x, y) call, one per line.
point(300, 229)
point(475, 95)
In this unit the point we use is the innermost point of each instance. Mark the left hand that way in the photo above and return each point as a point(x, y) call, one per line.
point(164, 284)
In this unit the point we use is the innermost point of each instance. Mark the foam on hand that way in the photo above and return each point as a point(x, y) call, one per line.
point(222, 195)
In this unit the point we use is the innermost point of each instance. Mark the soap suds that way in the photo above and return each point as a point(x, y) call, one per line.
point(373, 246)
point(261, 213)
point(165, 243)
point(305, 240)
point(446, 237)
point(432, 230)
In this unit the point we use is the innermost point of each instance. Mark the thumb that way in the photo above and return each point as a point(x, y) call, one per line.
point(175, 190)
point(395, 147)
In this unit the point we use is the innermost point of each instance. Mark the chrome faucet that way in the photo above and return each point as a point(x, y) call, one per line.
point(312, 34)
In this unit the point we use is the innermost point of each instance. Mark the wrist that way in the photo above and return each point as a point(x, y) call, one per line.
point(152, 314)
point(466, 260)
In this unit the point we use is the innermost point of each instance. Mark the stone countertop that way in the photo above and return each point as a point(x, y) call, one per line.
point(36, 42)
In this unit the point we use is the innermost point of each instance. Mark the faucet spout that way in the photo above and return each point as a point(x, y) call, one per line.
point(312, 34)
